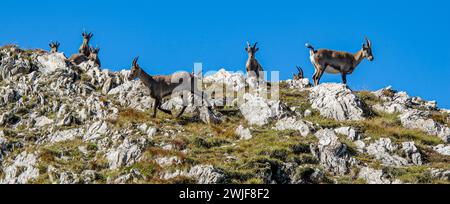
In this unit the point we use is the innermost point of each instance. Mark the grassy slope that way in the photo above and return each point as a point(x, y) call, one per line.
point(242, 161)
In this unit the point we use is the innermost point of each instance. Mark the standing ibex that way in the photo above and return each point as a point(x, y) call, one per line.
point(162, 86)
point(84, 48)
point(253, 67)
point(336, 62)
point(300, 74)
point(54, 45)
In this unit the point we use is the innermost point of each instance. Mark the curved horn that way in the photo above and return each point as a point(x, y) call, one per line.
point(254, 46)
point(248, 44)
point(300, 70)
point(135, 60)
point(368, 41)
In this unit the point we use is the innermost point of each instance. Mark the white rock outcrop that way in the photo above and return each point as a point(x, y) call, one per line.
point(332, 154)
point(243, 133)
point(336, 101)
point(442, 149)
point(291, 123)
point(383, 150)
point(259, 111)
point(206, 174)
point(23, 169)
point(373, 176)
point(125, 154)
point(417, 119)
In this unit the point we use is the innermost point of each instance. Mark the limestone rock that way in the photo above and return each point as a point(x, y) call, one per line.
point(259, 111)
point(333, 155)
point(23, 169)
point(383, 149)
point(125, 154)
point(350, 132)
point(442, 149)
point(338, 102)
point(416, 119)
point(243, 133)
point(412, 153)
point(373, 176)
point(206, 174)
point(291, 123)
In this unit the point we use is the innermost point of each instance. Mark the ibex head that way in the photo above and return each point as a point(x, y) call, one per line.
point(251, 50)
point(135, 70)
point(54, 45)
point(300, 73)
point(87, 36)
point(93, 52)
point(367, 50)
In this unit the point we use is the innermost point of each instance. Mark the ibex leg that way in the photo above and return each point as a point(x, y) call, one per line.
point(155, 106)
point(344, 78)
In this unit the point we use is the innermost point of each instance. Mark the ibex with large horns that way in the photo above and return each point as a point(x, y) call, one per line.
point(253, 67)
point(335, 62)
point(162, 86)
point(84, 48)
point(299, 75)
point(54, 45)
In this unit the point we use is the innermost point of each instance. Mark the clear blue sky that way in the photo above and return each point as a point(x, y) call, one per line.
point(410, 38)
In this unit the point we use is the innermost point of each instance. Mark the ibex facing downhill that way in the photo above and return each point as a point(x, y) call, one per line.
point(253, 67)
point(54, 45)
point(84, 48)
point(164, 85)
point(336, 62)
point(299, 75)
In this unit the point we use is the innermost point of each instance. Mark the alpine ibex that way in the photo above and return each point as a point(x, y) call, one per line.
point(335, 62)
point(299, 75)
point(80, 57)
point(84, 48)
point(54, 45)
point(253, 67)
point(94, 56)
point(162, 86)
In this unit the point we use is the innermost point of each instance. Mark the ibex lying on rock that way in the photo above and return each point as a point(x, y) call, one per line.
point(336, 62)
point(162, 86)
point(54, 45)
point(299, 75)
point(253, 67)
point(80, 58)
point(84, 48)
point(94, 56)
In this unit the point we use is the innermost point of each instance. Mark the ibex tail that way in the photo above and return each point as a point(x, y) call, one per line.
point(311, 48)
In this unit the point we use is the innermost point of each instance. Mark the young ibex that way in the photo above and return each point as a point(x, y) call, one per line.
point(93, 55)
point(253, 67)
point(80, 57)
point(84, 48)
point(162, 86)
point(299, 75)
point(54, 45)
point(336, 62)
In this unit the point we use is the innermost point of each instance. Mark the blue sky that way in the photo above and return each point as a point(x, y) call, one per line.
point(410, 38)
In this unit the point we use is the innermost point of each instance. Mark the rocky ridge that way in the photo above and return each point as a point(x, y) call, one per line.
point(61, 123)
